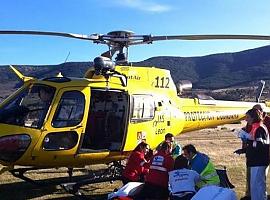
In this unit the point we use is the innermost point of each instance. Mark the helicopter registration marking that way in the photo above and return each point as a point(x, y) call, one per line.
point(162, 82)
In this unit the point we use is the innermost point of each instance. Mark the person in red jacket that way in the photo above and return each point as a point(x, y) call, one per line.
point(156, 181)
point(136, 166)
point(257, 154)
point(248, 128)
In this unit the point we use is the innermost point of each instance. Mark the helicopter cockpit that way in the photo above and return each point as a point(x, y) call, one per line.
point(29, 107)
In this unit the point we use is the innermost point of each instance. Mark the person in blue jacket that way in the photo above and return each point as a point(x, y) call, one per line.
point(201, 163)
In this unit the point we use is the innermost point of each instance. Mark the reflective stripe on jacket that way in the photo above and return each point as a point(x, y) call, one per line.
point(257, 151)
point(202, 165)
point(160, 165)
point(209, 176)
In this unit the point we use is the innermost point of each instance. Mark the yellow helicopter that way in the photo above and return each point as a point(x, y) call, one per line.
point(100, 118)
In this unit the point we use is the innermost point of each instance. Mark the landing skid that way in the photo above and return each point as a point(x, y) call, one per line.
point(19, 173)
point(112, 173)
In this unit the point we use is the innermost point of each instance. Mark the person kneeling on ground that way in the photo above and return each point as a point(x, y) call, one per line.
point(182, 180)
point(156, 181)
point(136, 167)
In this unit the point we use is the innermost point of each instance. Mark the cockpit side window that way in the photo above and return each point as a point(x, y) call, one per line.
point(70, 110)
point(28, 108)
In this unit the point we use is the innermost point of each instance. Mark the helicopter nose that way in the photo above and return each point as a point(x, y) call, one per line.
point(12, 147)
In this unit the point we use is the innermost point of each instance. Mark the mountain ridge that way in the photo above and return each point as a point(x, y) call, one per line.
point(206, 72)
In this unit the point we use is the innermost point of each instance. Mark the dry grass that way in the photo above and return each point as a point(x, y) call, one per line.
point(218, 143)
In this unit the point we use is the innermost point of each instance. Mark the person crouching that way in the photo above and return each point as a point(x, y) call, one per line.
point(182, 180)
point(156, 181)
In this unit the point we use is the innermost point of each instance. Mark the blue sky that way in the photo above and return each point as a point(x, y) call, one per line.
point(156, 17)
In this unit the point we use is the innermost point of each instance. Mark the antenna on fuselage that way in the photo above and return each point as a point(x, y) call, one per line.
point(260, 90)
point(67, 57)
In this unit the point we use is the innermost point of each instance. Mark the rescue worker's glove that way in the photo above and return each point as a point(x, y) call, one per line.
point(240, 151)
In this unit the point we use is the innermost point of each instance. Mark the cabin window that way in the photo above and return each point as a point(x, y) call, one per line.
point(60, 141)
point(70, 110)
point(143, 107)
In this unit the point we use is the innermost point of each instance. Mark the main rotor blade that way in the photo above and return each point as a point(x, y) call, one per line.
point(70, 35)
point(210, 37)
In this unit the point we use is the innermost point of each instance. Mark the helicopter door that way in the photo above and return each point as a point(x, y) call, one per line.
point(65, 124)
point(106, 124)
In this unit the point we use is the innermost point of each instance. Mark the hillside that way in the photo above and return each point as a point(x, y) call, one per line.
point(216, 71)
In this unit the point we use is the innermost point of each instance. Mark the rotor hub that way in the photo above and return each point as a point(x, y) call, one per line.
point(121, 34)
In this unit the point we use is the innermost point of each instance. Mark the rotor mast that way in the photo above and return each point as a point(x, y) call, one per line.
point(118, 41)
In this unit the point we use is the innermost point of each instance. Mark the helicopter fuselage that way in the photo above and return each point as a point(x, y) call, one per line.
point(95, 120)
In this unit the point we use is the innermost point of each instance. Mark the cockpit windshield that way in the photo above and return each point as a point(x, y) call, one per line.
point(28, 108)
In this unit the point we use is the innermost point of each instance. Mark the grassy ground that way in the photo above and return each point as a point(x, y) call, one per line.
point(218, 143)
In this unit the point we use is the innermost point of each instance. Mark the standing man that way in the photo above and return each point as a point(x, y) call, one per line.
point(247, 129)
point(201, 163)
point(257, 154)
